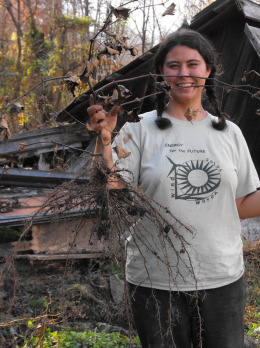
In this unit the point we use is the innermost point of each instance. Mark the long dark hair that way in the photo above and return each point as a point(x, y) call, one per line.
point(194, 40)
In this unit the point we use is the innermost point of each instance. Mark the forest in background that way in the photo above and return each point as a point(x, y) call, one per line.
point(45, 46)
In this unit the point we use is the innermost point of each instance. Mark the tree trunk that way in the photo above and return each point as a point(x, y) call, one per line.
point(17, 23)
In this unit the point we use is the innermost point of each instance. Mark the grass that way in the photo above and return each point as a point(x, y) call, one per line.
point(252, 277)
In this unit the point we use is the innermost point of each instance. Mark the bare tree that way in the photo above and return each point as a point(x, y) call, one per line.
point(16, 18)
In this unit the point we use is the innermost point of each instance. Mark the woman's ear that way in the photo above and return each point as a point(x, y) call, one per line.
point(208, 72)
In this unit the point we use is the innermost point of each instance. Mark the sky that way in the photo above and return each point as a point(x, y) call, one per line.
point(168, 23)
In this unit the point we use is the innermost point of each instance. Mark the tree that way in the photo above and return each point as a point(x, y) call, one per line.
point(17, 21)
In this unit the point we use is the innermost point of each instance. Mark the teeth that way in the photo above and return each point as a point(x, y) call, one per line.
point(185, 85)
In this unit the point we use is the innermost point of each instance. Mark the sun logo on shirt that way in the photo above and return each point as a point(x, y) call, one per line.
point(196, 179)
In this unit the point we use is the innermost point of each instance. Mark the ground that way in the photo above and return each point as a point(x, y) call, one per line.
point(60, 294)
point(78, 295)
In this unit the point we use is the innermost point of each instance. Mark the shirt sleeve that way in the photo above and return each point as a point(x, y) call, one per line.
point(126, 152)
point(248, 180)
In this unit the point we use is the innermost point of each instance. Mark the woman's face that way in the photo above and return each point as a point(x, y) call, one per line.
point(183, 62)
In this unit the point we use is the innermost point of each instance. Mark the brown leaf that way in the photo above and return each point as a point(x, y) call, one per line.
point(124, 91)
point(132, 116)
point(101, 54)
point(22, 146)
point(121, 152)
point(103, 100)
point(3, 122)
point(112, 51)
point(73, 78)
point(6, 167)
point(190, 114)
point(133, 51)
point(110, 33)
point(15, 108)
point(129, 137)
point(71, 83)
point(162, 87)
point(120, 12)
point(87, 70)
point(4, 129)
point(8, 134)
point(257, 94)
point(115, 95)
point(247, 76)
point(170, 10)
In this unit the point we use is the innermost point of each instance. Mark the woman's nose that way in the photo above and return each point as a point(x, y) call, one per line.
point(183, 70)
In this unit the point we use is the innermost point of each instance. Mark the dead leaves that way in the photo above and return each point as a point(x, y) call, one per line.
point(42, 101)
point(191, 114)
point(169, 10)
point(71, 83)
point(162, 87)
point(120, 12)
point(121, 152)
point(115, 48)
point(4, 129)
point(22, 146)
point(247, 76)
point(133, 115)
point(133, 51)
point(108, 50)
point(118, 94)
point(16, 108)
point(129, 137)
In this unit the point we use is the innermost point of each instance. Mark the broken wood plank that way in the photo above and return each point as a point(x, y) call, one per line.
point(58, 257)
point(45, 140)
point(21, 246)
point(69, 236)
point(250, 9)
point(253, 35)
point(36, 178)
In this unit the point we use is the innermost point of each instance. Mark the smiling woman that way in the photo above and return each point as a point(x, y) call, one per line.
point(187, 67)
point(203, 173)
point(186, 56)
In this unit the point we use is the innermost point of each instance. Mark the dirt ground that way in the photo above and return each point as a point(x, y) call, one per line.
point(77, 294)
point(74, 294)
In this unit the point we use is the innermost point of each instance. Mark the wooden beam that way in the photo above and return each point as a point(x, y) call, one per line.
point(36, 178)
point(58, 257)
point(250, 9)
point(253, 35)
point(42, 141)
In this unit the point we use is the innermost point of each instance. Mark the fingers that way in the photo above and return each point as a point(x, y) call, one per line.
point(114, 110)
point(91, 110)
point(100, 119)
point(91, 100)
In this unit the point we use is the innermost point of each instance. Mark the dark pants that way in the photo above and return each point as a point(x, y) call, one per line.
point(211, 318)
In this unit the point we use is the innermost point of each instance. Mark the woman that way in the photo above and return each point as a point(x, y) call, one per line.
point(203, 173)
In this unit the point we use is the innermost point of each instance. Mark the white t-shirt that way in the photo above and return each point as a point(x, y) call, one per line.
point(196, 172)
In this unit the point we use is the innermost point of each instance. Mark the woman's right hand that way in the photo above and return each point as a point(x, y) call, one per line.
point(101, 120)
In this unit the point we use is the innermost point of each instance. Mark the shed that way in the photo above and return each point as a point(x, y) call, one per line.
point(234, 28)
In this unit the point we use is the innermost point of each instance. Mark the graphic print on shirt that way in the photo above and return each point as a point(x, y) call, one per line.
point(194, 180)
